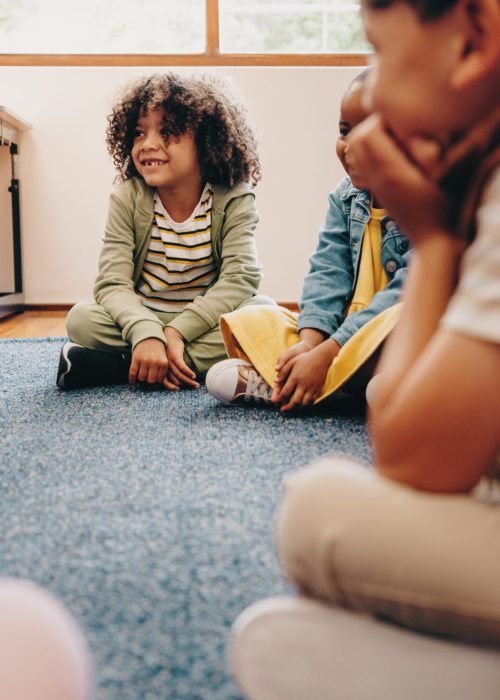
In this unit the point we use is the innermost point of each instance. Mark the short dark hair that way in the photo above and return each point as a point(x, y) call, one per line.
point(202, 105)
point(356, 82)
point(426, 9)
point(360, 78)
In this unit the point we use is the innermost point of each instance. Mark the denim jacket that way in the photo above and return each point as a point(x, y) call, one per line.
point(334, 266)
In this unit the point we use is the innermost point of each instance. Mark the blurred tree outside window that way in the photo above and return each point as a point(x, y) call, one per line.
point(282, 26)
point(102, 27)
point(179, 26)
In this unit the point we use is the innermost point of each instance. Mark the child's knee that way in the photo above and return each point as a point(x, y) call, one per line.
point(78, 323)
point(318, 517)
point(42, 651)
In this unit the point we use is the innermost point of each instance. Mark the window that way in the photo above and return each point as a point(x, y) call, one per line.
point(97, 27)
point(190, 32)
point(282, 26)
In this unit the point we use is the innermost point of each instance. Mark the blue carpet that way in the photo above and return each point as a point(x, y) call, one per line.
point(149, 514)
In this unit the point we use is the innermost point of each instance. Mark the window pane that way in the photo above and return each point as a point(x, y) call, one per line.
point(282, 26)
point(102, 26)
point(345, 32)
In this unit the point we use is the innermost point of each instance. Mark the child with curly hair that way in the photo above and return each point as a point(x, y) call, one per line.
point(179, 245)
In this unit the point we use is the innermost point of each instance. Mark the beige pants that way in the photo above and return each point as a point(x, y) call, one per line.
point(90, 325)
point(430, 562)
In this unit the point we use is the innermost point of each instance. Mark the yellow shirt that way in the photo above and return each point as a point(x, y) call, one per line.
point(371, 276)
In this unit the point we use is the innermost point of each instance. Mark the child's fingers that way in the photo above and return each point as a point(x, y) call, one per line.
point(184, 377)
point(162, 373)
point(309, 397)
point(142, 373)
point(177, 358)
point(289, 354)
point(133, 370)
point(148, 373)
point(425, 151)
point(152, 376)
point(288, 388)
point(181, 370)
point(369, 142)
point(282, 360)
point(187, 371)
point(284, 372)
point(296, 399)
point(173, 379)
point(168, 384)
point(276, 395)
point(285, 355)
point(376, 146)
point(281, 392)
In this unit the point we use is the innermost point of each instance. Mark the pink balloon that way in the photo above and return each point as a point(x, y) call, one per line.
point(43, 655)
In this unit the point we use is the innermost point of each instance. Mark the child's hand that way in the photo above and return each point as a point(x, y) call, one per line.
point(399, 179)
point(149, 362)
point(179, 374)
point(306, 377)
point(309, 339)
point(284, 365)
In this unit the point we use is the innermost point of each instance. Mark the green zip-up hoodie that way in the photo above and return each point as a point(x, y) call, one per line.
point(126, 240)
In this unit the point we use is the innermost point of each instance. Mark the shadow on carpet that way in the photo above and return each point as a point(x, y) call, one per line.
point(149, 514)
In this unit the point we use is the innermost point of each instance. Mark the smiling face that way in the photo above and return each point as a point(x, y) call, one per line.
point(352, 112)
point(166, 162)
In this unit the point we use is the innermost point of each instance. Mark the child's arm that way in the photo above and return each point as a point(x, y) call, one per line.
point(387, 297)
point(328, 285)
point(178, 374)
point(114, 291)
point(114, 285)
point(302, 369)
point(435, 411)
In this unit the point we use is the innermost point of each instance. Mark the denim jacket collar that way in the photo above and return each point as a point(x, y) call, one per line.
point(360, 207)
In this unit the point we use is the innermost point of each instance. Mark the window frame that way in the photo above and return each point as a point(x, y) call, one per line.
point(210, 57)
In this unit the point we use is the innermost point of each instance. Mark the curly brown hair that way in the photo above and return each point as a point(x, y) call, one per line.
point(201, 105)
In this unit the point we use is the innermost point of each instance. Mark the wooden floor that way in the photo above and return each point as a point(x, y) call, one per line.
point(34, 324)
point(43, 324)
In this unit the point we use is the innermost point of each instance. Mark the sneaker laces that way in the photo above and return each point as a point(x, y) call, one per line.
point(257, 388)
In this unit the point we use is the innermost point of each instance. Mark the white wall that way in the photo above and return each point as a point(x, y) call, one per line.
point(66, 174)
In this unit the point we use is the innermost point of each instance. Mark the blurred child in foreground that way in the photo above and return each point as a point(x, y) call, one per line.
point(413, 541)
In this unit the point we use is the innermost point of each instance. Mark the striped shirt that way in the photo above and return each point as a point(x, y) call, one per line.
point(179, 264)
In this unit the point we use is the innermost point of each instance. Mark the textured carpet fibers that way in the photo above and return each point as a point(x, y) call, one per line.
point(149, 514)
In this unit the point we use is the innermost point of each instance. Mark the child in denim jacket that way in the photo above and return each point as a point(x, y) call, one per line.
point(349, 304)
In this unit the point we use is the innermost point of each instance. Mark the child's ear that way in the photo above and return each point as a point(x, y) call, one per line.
point(481, 46)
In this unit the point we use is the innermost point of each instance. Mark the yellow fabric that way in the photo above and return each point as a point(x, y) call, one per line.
point(260, 334)
point(371, 277)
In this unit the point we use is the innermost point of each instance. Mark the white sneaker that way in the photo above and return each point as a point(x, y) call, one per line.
point(371, 389)
point(302, 649)
point(236, 381)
